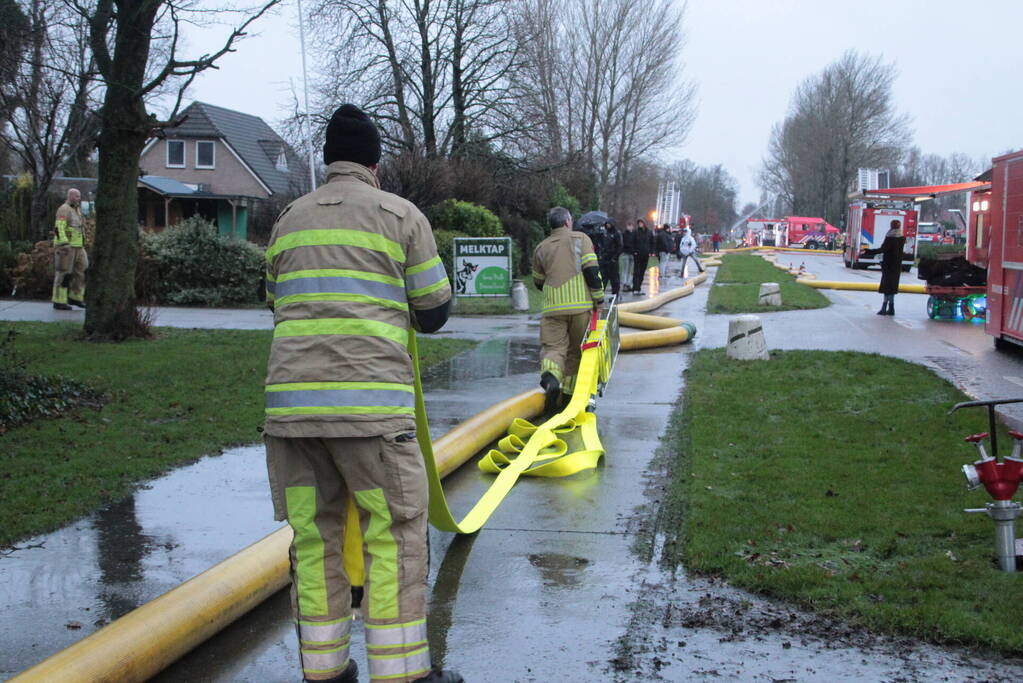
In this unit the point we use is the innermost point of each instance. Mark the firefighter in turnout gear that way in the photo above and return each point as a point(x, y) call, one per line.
point(349, 269)
point(69, 257)
point(565, 269)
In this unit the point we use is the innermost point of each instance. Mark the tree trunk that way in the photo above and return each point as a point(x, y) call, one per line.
point(110, 294)
point(111, 313)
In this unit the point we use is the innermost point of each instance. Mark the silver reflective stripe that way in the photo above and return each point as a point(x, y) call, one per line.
point(342, 398)
point(330, 632)
point(411, 633)
point(270, 285)
point(426, 278)
point(324, 662)
point(578, 255)
point(393, 666)
point(340, 285)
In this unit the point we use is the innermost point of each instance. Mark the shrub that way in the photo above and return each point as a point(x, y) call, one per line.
point(32, 275)
point(471, 219)
point(190, 263)
point(25, 397)
point(9, 252)
point(446, 247)
point(561, 197)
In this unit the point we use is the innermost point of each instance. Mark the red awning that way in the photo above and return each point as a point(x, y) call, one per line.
point(924, 190)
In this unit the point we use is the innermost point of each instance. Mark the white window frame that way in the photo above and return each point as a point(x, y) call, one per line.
point(213, 146)
point(281, 164)
point(184, 155)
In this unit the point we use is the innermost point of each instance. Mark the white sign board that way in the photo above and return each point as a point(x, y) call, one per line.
point(482, 266)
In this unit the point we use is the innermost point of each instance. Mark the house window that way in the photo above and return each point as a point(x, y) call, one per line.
point(204, 157)
point(175, 154)
point(282, 162)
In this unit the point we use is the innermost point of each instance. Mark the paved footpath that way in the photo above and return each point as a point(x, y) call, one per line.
point(552, 588)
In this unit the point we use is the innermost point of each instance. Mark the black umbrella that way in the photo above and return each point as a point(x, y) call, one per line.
point(593, 219)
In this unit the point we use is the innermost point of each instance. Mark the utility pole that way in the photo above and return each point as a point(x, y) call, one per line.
point(305, 90)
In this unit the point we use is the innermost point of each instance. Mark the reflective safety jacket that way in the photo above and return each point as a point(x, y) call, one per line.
point(344, 264)
point(565, 269)
point(69, 226)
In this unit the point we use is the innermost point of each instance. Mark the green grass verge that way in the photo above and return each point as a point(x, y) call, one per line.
point(171, 400)
point(833, 480)
point(737, 287)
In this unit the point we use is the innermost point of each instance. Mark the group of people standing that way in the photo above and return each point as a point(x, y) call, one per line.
point(624, 255)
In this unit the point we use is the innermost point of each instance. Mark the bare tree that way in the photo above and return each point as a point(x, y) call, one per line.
point(121, 38)
point(839, 120)
point(49, 101)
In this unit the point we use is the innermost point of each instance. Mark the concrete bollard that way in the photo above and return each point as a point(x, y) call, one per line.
point(746, 339)
point(770, 294)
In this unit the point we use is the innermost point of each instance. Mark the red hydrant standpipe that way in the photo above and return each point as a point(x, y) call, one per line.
point(1001, 480)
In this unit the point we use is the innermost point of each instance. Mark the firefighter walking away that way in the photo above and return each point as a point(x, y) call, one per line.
point(349, 269)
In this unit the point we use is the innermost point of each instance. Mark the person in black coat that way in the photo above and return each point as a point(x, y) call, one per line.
point(610, 250)
point(891, 266)
point(641, 249)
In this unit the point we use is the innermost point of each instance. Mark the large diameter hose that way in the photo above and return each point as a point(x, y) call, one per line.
point(859, 286)
point(665, 337)
point(145, 641)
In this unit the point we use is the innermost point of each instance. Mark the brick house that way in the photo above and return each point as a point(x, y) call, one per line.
point(220, 164)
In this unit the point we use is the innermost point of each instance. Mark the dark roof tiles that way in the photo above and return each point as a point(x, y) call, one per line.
point(251, 138)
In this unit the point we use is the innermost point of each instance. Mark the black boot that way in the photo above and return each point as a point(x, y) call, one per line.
point(441, 676)
point(62, 307)
point(76, 302)
point(552, 391)
point(349, 675)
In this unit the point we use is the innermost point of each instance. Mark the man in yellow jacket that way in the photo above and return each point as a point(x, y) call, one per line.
point(350, 268)
point(565, 269)
point(69, 258)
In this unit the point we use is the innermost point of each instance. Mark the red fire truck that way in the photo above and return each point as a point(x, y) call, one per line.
point(808, 233)
point(871, 214)
point(995, 240)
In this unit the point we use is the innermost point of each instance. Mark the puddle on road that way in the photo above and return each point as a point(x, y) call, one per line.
point(490, 359)
point(84, 576)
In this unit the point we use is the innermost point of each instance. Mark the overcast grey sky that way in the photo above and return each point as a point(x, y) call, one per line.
point(959, 70)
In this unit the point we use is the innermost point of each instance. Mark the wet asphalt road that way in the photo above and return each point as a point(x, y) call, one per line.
point(550, 588)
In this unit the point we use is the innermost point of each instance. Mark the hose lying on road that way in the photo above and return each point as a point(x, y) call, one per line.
point(859, 286)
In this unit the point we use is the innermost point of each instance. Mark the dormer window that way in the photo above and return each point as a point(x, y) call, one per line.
point(282, 162)
point(204, 154)
point(175, 154)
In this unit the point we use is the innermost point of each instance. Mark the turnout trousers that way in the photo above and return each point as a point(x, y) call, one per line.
point(560, 339)
point(311, 480)
point(69, 264)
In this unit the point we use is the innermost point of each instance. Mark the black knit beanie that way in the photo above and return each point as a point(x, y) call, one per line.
point(351, 136)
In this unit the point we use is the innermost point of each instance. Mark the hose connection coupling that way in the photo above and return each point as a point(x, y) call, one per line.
point(1001, 479)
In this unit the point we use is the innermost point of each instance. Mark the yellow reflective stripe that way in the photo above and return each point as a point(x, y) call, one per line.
point(425, 265)
point(329, 296)
point(341, 326)
point(383, 667)
point(383, 549)
point(310, 576)
point(336, 237)
point(61, 226)
point(342, 410)
point(314, 386)
point(587, 258)
point(341, 272)
point(440, 284)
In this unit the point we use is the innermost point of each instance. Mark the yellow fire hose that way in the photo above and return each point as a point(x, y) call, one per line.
point(145, 641)
point(859, 286)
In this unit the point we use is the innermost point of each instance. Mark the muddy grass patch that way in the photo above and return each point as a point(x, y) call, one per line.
point(833, 480)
